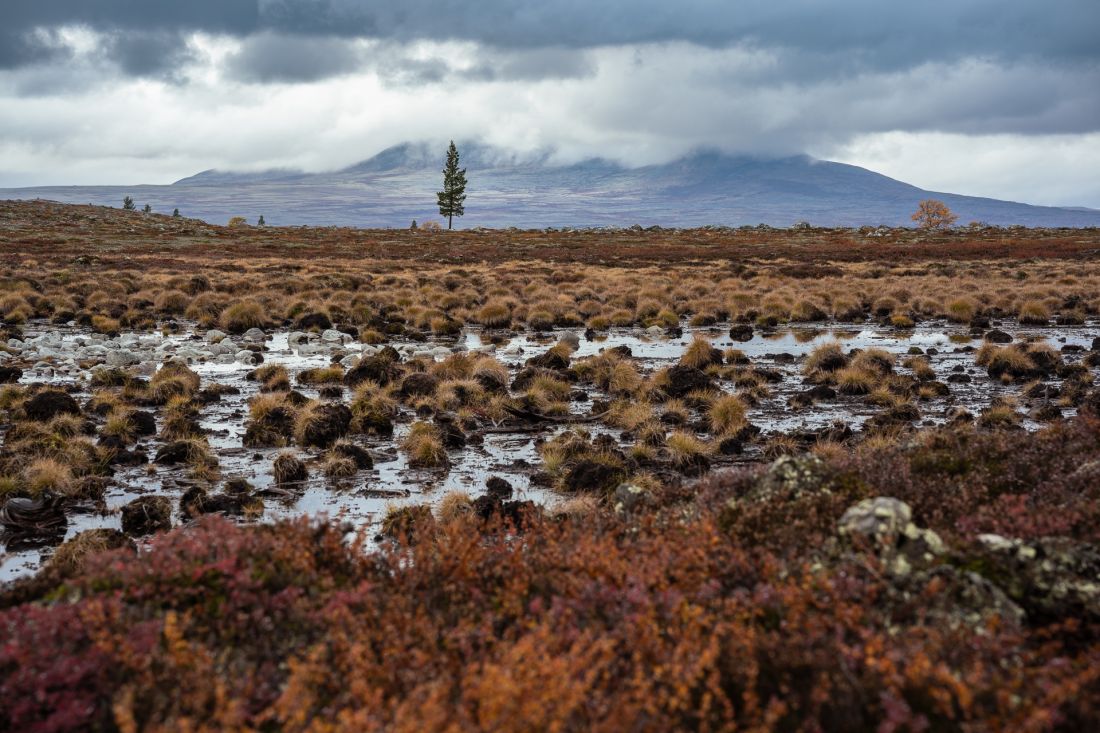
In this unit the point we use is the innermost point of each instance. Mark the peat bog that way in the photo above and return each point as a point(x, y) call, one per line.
point(844, 476)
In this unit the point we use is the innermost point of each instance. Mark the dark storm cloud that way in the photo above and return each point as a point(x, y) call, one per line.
point(847, 34)
point(273, 58)
point(269, 57)
point(148, 53)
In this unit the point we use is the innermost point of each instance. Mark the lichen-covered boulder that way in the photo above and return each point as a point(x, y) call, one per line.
point(630, 497)
point(793, 476)
point(1051, 577)
point(886, 525)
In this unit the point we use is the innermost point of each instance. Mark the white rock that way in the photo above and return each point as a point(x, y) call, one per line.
point(332, 335)
point(213, 336)
point(225, 359)
point(655, 331)
point(245, 356)
point(255, 335)
point(296, 337)
point(441, 352)
point(571, 340)
point(350, 361)
point(121, 358)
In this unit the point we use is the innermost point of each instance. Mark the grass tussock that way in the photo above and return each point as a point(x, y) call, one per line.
point(424, 447)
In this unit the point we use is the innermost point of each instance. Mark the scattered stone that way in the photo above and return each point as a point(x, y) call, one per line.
point(629, 497)
point(886, 523)
point(570, 339)
point(792, 476)
point(1051, 578)
point(997, 336)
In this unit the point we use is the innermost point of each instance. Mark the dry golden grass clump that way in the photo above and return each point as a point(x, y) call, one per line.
point(271, 420)
point(373, 408)
point(727, 415)
point(69, 559)
point(1033, 312)
point(289, 469)
point(701, 354)
point(454, 506)
point(410, 522)
point(48, 475)
point(172, 302)
point(456, 394)
point(322, 375)
point(828, 357)
point(855, 380)
point(336, 466)
point(180, 419)
point(243, 315)
point(1008, 362)
point(272, 377)
point(547, 395)
point(495, 314)
point(961, 310)
point(629, 415)
point(172, 380)
point(876, 361)
point(686, 451)
point(424, 446)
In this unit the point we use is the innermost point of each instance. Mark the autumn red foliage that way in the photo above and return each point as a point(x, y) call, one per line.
point(688, 616)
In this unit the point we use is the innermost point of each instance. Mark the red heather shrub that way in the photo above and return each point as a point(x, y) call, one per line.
point(685, 618)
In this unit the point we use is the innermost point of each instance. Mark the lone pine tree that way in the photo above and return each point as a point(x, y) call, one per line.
point(453, 195)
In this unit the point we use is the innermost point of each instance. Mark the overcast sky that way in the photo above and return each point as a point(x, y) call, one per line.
point(986, 97)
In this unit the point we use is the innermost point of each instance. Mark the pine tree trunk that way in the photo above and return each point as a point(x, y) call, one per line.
point(450, 218)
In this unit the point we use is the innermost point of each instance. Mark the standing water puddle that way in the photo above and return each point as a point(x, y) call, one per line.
point(364, 499)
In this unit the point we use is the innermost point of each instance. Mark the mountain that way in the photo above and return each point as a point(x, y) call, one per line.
point(530, 190)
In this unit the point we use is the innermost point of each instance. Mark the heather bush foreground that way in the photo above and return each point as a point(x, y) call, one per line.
point(946, 582)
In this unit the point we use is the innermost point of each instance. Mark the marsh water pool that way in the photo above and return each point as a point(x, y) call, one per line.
point(65, 355)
